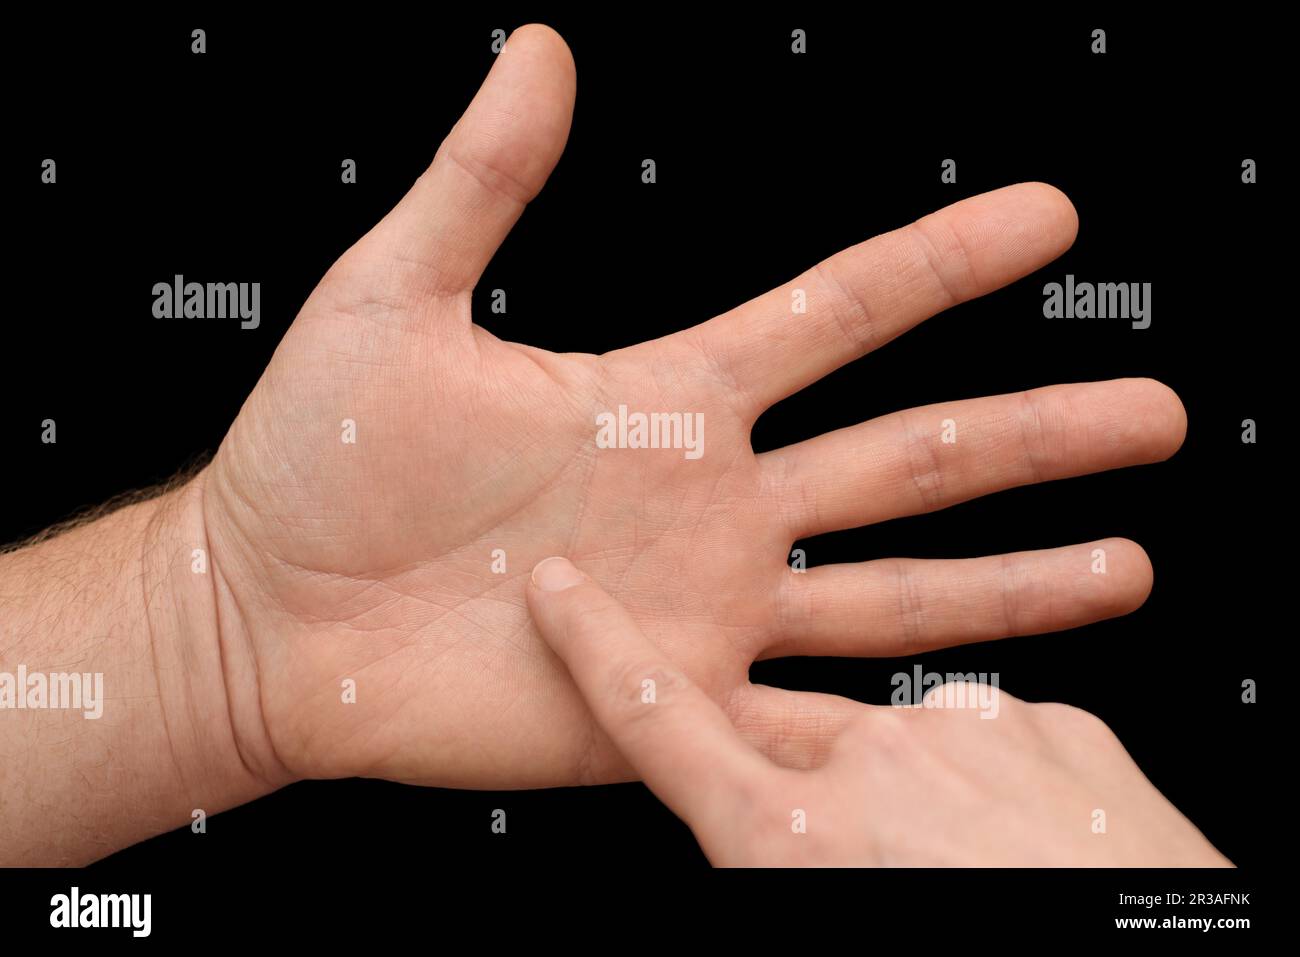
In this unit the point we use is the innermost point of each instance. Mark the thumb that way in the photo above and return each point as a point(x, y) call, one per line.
point(669, 730)
point(494, 161)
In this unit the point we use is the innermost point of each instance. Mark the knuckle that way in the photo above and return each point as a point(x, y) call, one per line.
point(1039, 425)
point(944, 255)
point(924, 469)
point(847, 308)
point(641, 687)
point(965, 695)
point(1074, 721)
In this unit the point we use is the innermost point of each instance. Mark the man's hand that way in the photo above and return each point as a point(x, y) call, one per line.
point(373, 561)
point(973, 777)
point(328, 561)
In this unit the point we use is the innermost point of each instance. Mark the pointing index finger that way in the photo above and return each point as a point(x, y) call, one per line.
point(673, 734)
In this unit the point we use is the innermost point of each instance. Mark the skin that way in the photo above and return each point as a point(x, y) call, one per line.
point(971, 778)
point(372, 561)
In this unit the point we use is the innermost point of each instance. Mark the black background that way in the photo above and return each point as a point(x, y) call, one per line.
point(226, 166)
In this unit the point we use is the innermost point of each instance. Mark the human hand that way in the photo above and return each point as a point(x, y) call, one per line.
point(936, 785)
point(373, 561)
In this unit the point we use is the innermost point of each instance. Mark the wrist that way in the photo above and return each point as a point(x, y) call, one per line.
point(206, 671)
point(125, 608)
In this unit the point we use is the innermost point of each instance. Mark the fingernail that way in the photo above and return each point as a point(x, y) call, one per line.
point(556, 574)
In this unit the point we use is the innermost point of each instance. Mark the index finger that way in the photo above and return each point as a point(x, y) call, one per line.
point(673, 734)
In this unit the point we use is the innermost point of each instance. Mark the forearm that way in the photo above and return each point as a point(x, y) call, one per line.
point(82, 773)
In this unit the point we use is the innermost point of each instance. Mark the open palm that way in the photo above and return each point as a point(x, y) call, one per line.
point(380, 560)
